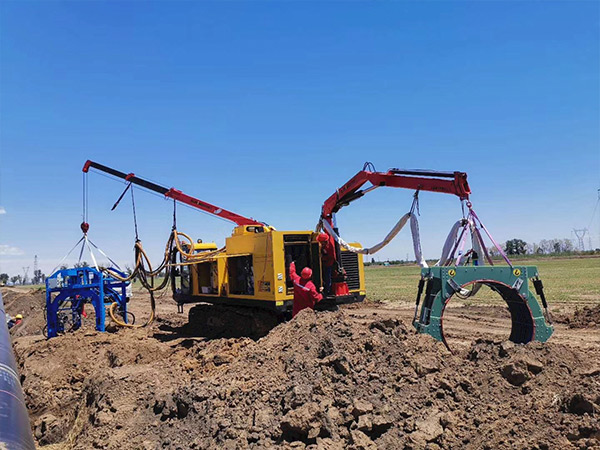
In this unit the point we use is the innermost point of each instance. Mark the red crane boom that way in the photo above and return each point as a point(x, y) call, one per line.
point(174, 194)
point(419, 180)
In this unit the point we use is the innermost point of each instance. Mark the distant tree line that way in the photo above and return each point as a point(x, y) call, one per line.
point(543, 247)
point(516, 247)
point(40, 278)
point(37, 278)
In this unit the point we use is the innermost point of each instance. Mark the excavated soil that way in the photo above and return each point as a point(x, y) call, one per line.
point(357, 378)
point(29, 303)
point(584, 317)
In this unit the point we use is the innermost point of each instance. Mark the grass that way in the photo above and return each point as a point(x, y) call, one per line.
point(392, 283)
point(572, 280)
point(29, 287)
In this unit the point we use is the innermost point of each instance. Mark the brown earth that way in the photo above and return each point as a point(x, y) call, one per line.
point(585, 317)
point(357, 378)
point(29, 303)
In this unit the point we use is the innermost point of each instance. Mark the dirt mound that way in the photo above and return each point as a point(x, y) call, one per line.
point(586, 317)
point(30, 303)
point(320, 381)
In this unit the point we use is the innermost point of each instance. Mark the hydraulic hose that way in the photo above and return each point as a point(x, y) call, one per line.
point(119, 322)
point(144, 272)
point(141, 273)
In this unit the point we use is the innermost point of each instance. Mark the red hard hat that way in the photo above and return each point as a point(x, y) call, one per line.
point(306, 273)
point(323, 237)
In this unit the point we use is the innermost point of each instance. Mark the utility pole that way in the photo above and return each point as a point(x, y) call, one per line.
point(580, 234)
point(35, 270)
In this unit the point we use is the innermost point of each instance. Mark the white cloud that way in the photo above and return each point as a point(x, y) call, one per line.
point(2, 210)
point(9, 250)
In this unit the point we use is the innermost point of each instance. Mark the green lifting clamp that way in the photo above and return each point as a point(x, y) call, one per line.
point(530, 320)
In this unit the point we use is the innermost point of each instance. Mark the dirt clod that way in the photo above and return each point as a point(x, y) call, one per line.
point(360, 441)
point(579, 404)
point(428, 429)
point(302, 424)
point(515, 373)
point(361, 407)
point(47, 429)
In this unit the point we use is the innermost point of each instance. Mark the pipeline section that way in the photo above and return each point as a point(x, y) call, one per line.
point(15, 432)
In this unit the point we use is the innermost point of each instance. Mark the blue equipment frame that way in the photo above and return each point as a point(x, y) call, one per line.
point(70, 289)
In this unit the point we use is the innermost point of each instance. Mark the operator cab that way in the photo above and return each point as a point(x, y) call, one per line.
point(305, 251)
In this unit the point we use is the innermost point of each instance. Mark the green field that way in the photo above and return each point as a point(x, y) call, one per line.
point(565, 280)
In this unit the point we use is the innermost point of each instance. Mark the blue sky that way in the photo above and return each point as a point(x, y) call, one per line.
point(265, 108)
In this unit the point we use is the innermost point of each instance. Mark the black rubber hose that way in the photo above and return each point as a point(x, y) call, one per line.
point(15, 432)
point(427, 303)
point(539, 290)
point(419, 293)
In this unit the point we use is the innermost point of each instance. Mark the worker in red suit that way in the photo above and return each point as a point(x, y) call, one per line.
point(327, 259)
point(305, 292)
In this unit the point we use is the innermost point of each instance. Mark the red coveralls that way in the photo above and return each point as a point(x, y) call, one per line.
point(328, 252)
point(328, 259)
point(305, 292)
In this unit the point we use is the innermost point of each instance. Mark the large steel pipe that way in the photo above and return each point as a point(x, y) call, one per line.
point(15, 432)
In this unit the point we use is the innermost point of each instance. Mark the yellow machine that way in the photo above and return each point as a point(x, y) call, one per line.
point(253, 269)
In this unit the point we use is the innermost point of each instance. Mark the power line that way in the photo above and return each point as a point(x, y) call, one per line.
point(595, 209)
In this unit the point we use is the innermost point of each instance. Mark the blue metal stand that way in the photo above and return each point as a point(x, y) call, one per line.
point(68, 290)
